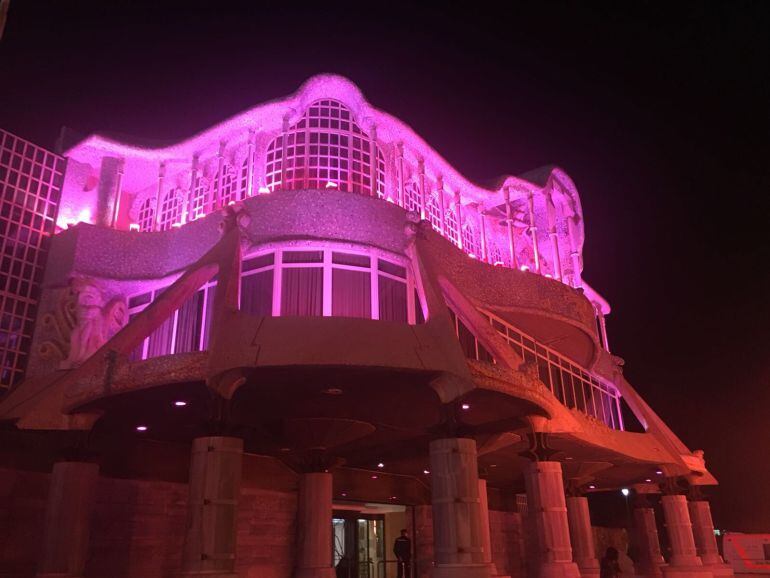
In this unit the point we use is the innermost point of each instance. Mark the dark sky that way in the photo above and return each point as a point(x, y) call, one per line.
point(659, 114)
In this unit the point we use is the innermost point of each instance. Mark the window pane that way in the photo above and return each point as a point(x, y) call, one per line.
point(210, 295)
point(160, 339)
point(350, 259)
point(302, 291)
point(351, 293)
point(257, 293)
point(419, 316)
point(467, 340)
point(392, 269)
point(303, 256)
point(392, 300)
point(189, 324)
point(258, 262)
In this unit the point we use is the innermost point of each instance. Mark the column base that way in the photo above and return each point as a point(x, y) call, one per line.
point(719, 569)
point(682, 571)
point(209, 574)
point(321, 572)
point(589, 567)
point(462, 571)
point(558, 570)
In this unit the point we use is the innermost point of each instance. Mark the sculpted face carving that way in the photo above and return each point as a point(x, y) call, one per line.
point(96, 321)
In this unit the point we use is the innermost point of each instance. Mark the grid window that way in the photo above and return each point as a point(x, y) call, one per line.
point(412, 197)
point(200, 197)
point(170, 209)
point(147, 215)
point(228, 190)
point(452, 231)
point(434, 212)
point(30, 189)
point(326, 148)
point(243, 187)
point(471, 243)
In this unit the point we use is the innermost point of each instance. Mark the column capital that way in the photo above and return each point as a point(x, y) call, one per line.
point(539, 449)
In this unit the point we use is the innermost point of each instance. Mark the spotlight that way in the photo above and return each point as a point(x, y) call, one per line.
point(426, 472)
point(380, 465)
point(625, 492)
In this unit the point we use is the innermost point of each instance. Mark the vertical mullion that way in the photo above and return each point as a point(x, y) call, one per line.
point(277, 275)
point(411, 302)
point(327, 283)
point(374, 285)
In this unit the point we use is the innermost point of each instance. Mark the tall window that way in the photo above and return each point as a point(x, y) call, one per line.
point(170, 209)
point(227, 186)
point(325, 148)
point(434, 212)
point(183, 331)
point(471, 243)
point(244, 180)
point(450, 224)
point(146, 215)
point(199, 199)
point(412, 197)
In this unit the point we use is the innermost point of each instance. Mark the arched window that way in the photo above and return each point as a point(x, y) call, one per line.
point(244, 181)
point(471, 243)
point(326, 148)
point(227, 186)
point(199, 199)
point(496, 255)
point(434, 212)
point(451, 228)
point(412, 197)
point(147, 214)
point(170, 209)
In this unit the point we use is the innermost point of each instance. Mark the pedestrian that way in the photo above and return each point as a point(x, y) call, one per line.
point(610, 567)
point(402, 548)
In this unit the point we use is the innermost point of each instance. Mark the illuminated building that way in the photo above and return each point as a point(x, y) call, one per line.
point(301, 330)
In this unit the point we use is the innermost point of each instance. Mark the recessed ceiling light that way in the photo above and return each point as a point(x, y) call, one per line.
point(592, 487)
point(380, 465)
point(374, 477)
point(466, 406)
point(426, 472)
point(659, 472)
point(344, 494)
point(647, 480)
point(180, 403)
point(492, 465)
point(141, 428)
point(332, 391)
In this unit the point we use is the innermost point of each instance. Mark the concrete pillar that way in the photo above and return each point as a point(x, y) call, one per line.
point(705, 540)
point(68, 519)
point(684, 562)
point(314, 527)
point(215, 483)
point(548, 513)
point(650, 560)
point(582, 536)
point(458, 535)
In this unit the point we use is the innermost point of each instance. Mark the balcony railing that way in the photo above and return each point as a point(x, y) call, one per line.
point(572, 385)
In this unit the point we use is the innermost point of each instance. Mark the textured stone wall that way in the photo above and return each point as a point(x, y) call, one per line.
point(138, 528)
point(508, 551)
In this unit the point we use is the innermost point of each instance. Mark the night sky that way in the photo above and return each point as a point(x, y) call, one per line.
point(659, 114)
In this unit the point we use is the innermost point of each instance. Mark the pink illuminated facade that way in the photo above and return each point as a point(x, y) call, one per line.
point(301, 330)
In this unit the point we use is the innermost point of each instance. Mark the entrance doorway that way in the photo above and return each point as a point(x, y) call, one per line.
point(362, 539)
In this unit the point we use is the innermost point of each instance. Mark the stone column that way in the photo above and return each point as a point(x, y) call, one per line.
point(314, 527)
point(458, 536)
point(705, 540)
point(215, 483)
point(650, 561)
point(548, 513)
point(582, 536)
point(509, 228)
point(68, 520)
point(684, 561)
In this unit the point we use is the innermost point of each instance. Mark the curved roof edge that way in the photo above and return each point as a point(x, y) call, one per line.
point(270, 116)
